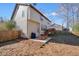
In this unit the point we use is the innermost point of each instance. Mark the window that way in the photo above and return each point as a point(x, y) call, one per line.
point(23, 14)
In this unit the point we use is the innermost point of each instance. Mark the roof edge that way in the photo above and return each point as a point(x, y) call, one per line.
point(31, 7)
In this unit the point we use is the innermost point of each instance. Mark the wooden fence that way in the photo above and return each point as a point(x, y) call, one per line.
point(9, 35)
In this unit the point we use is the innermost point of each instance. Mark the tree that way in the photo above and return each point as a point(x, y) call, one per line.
point(69, 12)
point(1, 19)
point(64, 12)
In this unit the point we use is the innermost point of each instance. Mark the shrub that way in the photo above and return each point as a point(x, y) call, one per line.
point(2, 27)
point(10, 25)
point(76, 28)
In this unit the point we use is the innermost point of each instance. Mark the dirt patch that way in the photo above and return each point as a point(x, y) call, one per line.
point(31, 48)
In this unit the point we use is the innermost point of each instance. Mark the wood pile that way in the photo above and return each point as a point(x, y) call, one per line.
point(47, 33)
point(51, 31)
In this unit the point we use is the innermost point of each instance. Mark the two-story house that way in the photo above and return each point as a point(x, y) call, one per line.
point(28, 19)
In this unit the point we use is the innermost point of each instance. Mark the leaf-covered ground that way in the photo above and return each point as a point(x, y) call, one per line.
point(31, 48)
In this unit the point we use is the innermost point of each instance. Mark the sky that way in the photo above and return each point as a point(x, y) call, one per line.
point(49, 10)
point(6, 10)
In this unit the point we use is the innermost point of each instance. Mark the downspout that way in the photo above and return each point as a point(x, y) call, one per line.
point(28, 17)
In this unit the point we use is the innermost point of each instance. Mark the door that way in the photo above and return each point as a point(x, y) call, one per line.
point(33, 27)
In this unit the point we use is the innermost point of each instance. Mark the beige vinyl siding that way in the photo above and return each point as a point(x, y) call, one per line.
point(44, 24)
point(34, 15)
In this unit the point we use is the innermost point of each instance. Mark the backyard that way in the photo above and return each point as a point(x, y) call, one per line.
point(58, 45)
point(20, 37)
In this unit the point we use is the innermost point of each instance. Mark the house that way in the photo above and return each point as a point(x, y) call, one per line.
point(56, 26)
point(28, 19)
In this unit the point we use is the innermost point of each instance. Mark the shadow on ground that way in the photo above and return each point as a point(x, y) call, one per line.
point(11, 42)
point(65, 38)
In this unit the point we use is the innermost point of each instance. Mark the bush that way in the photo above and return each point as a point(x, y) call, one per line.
point(2, 27)
point(76, 28)
point(10, 25)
